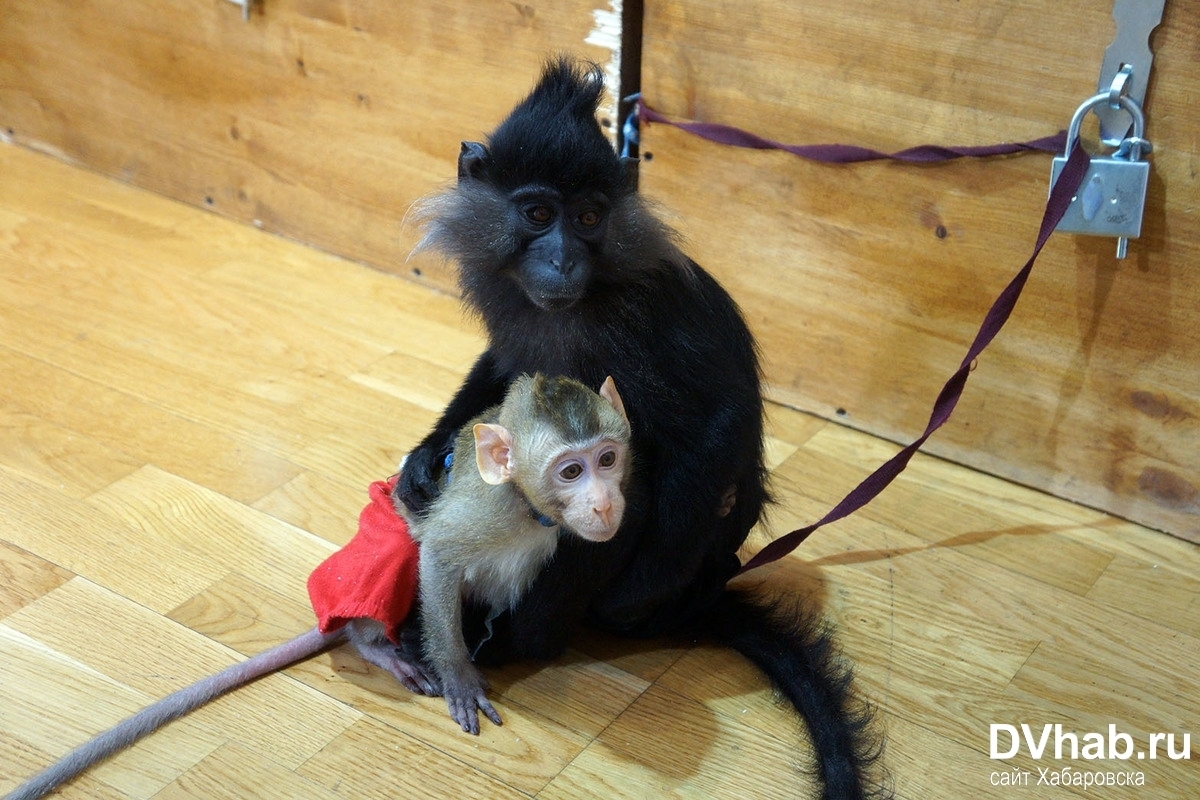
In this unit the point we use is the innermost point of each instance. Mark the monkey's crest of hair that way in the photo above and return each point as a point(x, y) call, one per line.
point(552, 138)
point(567, 405)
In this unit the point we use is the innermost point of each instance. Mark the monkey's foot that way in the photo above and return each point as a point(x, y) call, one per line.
point(411, 674)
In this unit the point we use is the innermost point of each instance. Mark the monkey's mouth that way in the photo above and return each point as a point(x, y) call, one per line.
point(599, 535)
point(554, 303)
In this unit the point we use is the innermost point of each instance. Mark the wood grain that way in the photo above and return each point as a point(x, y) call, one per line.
point(866, 283)
point(318, 119)
point(161, 506)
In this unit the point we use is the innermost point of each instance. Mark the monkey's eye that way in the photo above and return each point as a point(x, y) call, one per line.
point(570, 472)
point(608, 458)
point(539, 215)
point(589, 218)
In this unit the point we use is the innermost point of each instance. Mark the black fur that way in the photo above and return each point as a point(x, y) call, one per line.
point(800, 655)
point(553, 137)
point(688, 371)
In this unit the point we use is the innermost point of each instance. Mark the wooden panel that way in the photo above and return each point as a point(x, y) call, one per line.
point(319, 119)
point(866, 283)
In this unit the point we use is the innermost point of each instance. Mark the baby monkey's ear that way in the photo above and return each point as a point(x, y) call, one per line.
point(493, 453)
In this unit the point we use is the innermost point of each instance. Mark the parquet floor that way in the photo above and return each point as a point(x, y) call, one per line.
point(190, 413)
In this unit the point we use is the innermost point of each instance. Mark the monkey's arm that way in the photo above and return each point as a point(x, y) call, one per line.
point(483, 388)
point(463, 686)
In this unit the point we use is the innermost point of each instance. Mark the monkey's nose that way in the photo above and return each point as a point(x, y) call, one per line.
point(563, 266)
point(603, 510)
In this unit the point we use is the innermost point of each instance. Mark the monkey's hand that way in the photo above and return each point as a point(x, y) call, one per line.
point(465, 697)
point(419, 483)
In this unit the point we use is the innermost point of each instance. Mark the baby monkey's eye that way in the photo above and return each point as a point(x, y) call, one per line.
point(570, 472)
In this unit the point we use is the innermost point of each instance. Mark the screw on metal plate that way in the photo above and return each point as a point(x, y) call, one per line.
point(245, 4)
point(1112, 195)
point(1125, 71)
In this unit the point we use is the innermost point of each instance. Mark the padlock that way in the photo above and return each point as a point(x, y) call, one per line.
point(1112, 195)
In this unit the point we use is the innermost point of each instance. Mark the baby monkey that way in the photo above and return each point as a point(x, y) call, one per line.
point(553, 457)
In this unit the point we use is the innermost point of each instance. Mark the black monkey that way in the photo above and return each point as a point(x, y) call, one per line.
point(572, 275)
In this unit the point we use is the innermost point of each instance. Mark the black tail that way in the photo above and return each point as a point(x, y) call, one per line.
point(798, 654)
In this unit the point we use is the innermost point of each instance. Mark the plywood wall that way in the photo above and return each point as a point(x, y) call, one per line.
point(324, 120)
point(866, 283)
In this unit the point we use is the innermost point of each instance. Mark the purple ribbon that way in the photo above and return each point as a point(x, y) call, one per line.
point(1060, 198)
point(850, 154)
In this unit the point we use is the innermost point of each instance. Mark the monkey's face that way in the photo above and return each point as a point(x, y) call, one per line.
point(588, 482)
point(559, 241)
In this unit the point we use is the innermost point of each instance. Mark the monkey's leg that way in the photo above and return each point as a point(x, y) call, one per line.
point(404, 662)
point(412, 674)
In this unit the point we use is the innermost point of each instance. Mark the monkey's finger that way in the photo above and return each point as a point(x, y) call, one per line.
point(411, 677)
point(462, 711)
point(487, 708)
point(425, 683)
point(417, 686)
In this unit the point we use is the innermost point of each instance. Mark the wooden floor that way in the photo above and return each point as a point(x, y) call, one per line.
point(191, 411)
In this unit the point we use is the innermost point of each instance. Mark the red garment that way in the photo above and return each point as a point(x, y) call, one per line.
point(374, 575)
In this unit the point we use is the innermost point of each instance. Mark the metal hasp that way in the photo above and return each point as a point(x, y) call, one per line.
point(1126, 66)
point(1112, 198)
point(1112, 195)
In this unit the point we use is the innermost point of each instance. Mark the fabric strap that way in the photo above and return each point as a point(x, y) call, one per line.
point(1061, 195)
point(851, 154)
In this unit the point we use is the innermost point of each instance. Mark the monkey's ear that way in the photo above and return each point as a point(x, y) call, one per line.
point(493, 453)
point(608, 390)
point(470, 160)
